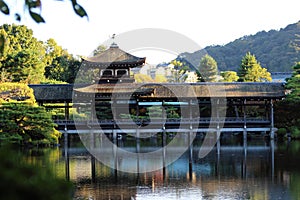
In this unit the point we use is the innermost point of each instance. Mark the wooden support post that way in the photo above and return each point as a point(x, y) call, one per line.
point(67, 161)
point(190, 134)
point(272, 146)
point(138, 141)
point(93, 169)
point(164, 137)
point(218, 133)
point(245, 128)
point(67, 111)
point(137, 109)
point(164, 142)
point(218, 141)
point(138, 147)
point(115, 135)
point(272, 132)
point(66, 138)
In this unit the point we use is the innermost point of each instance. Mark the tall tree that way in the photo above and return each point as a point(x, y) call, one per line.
point(208, 69)
point(23, 56)
point(61, 66)
point(293, 84)
point(251, 71)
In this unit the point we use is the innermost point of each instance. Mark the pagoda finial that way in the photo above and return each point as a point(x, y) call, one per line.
point(113, 44)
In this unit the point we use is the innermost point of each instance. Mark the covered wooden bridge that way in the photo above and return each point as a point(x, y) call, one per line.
point(199, 106)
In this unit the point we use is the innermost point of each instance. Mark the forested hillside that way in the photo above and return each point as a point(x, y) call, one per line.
point(275, 50)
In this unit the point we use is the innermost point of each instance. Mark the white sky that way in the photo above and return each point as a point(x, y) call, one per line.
point(207, 22)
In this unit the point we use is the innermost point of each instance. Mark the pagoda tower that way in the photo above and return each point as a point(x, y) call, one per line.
point(114, 65)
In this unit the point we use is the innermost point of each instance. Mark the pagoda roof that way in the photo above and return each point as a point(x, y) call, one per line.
point(115, 55)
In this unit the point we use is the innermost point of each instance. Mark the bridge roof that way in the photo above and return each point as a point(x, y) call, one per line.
point(199, 90)
point(64, 92)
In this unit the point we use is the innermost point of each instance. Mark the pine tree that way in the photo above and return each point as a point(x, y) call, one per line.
point(208, 69)
point(251, 71)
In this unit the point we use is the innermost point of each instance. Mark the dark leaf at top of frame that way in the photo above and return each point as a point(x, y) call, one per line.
point(79, 10)
point(4, 8)
point(17, 17)
point(33, 3)
point(36, 17)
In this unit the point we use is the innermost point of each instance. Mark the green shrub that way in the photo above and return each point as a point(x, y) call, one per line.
point(281, 132)
point(295, 132)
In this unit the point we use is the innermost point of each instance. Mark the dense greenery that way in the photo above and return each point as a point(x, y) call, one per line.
point(274, 49)
point(23, 56)
point(25, 59)
point(21, 120)
point(251, 71)
point(287, 111)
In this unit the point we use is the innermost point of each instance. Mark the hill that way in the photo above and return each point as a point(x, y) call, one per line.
point(275, 50)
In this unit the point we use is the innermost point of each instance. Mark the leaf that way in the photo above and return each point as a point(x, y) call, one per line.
point(79, 10)
point(37, 18)
point(4, 8)
point(33, 3)
point(18, 17)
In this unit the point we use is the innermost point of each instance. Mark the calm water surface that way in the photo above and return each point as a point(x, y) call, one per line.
point(264, 171)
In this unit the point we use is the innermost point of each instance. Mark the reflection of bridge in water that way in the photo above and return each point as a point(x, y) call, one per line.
point(235, 158)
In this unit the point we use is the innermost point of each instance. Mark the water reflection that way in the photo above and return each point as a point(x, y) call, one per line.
point(265, 170)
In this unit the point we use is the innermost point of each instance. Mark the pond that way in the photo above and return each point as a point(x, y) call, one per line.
point(261, 170)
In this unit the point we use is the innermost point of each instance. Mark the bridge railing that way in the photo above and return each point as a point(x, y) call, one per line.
point(200, 120)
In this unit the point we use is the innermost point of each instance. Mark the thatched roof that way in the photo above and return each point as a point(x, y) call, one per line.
point(113, 55)
point(53, 93)
point(201, 90)
point(64, 92)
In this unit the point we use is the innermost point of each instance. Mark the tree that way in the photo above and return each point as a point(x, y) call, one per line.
point(208, 69)
point(21, 120)
point(143, 78)
point(178, 69)
point(23, 56)
point(35, 7)
point(229, 76)
point(293, 84)
point(251, 71)
point(61, 66)
point(99, 50)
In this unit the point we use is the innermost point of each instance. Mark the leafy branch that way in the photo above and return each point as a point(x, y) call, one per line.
point(33, 5)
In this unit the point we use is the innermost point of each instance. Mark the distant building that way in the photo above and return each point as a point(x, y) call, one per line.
point(280, 76)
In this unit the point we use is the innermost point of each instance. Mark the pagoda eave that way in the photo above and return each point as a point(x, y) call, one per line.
point(124, 64)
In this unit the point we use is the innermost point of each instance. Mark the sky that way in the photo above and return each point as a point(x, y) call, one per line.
point(206, 22)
